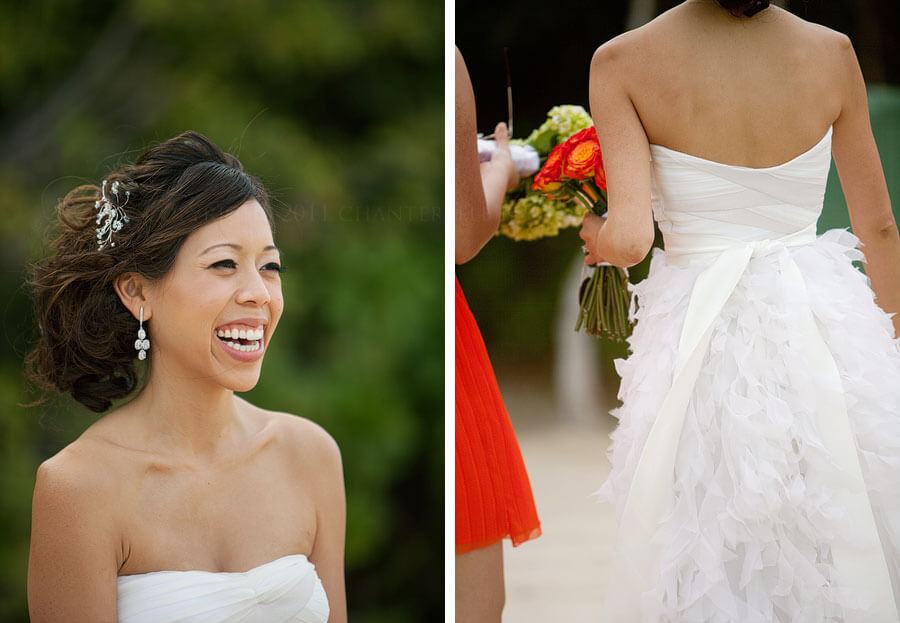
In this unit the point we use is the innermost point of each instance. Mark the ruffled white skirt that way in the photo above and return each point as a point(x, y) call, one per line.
point(755, 514)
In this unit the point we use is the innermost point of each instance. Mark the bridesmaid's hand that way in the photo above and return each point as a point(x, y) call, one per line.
point(501, 160)
point(590, 233)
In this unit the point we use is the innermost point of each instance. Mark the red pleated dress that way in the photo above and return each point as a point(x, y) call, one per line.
point(493, 494)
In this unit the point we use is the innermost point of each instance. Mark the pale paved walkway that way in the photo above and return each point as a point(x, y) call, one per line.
point(561, 575)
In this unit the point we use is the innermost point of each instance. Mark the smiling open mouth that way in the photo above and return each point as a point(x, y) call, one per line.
point(243, 340)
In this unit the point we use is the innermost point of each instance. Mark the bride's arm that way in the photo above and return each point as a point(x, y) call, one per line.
point(627, 234)
point(331, 525)
point(862, 180)
point(72, 565)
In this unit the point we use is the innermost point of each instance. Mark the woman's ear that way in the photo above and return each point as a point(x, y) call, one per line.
point(131, 288)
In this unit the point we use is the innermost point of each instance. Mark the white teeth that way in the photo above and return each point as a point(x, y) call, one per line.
point(243, 334)
point(244, 348)
point(246, 334)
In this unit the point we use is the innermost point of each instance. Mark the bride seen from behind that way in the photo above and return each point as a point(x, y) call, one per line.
point(174, 257)
point(757, 457)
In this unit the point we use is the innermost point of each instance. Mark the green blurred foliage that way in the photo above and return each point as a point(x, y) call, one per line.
point(337, 106)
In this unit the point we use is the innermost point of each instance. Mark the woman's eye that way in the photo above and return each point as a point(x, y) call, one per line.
point(224, 264)
point(274, 266)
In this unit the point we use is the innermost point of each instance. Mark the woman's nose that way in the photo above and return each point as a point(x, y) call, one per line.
point(253, 289)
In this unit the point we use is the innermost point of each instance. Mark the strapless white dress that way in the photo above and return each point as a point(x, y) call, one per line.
point(756, 464)
point(284, 590)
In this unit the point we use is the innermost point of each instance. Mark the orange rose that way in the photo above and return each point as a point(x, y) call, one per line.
point(583, 156)
point(544, 184)
point(548, 178)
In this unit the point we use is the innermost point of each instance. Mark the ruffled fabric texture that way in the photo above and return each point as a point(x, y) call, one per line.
point(750, 534)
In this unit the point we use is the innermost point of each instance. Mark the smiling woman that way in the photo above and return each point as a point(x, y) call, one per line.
point(171, 505)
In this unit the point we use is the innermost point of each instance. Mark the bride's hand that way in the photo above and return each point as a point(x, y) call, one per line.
point(501, 159)
point(590, 232)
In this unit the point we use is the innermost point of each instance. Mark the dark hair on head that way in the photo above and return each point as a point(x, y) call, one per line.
point(86, 343)
point(744, 8)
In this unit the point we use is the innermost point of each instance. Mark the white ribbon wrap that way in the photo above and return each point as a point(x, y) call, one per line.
point(524, 157)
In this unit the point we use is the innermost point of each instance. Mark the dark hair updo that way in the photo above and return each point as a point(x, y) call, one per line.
point(744, 8)
point(86, 344)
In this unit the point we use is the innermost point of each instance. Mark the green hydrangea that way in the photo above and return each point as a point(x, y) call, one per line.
point(562, 122)
point(536, 216)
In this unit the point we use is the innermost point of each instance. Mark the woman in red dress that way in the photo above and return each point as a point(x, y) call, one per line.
point(493, 495)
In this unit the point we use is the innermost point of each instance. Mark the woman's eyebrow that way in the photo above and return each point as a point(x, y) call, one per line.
point(237, 247)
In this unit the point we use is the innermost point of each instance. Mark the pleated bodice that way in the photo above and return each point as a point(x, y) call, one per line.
point(281, 591)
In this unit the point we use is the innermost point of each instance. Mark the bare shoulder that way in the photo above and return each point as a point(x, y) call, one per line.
point(81, 474)
point(302, 439)
point(823, 39)
point(620, 49)
point(76, 549)
point(77, 494)
point(632, 49)
point(96, 464)
point(828, 53)
point(823, 34)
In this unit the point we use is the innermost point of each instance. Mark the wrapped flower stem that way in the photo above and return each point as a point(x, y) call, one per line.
point(603, 297)
point(604, 302)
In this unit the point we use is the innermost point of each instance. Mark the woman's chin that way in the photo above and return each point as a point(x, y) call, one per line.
point(242, 382)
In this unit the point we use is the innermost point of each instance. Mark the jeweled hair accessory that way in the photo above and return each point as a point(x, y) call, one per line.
point(110, 217)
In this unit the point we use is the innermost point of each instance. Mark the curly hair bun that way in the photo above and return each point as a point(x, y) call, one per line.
point(86, 343)
point(744, 8)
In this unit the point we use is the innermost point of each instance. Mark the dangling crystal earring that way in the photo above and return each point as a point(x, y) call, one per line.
point(142, 343)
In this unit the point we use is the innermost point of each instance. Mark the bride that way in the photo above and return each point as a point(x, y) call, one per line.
point(756, 465)
point(186, 503)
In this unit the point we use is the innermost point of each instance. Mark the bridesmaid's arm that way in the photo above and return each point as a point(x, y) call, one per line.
point(627, 234)
point(862, 180)
point(331, 527)
point(72, 565)
point(480, 188)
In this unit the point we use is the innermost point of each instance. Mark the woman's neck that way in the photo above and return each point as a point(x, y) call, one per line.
point(188, 416)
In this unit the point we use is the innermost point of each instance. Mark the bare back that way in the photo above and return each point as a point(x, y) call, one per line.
point(752, 92)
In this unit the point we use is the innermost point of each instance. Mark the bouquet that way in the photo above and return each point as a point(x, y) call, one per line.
point(570, 182)
point(574, 170)
point(529, 214)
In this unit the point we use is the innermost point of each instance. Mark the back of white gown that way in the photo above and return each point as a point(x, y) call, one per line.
point(756, 465)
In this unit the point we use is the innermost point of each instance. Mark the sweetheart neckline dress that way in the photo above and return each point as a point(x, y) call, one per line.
point(284, 590)
point(756, 464)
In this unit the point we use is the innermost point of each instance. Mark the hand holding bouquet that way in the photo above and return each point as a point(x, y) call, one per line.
point(574, 170)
